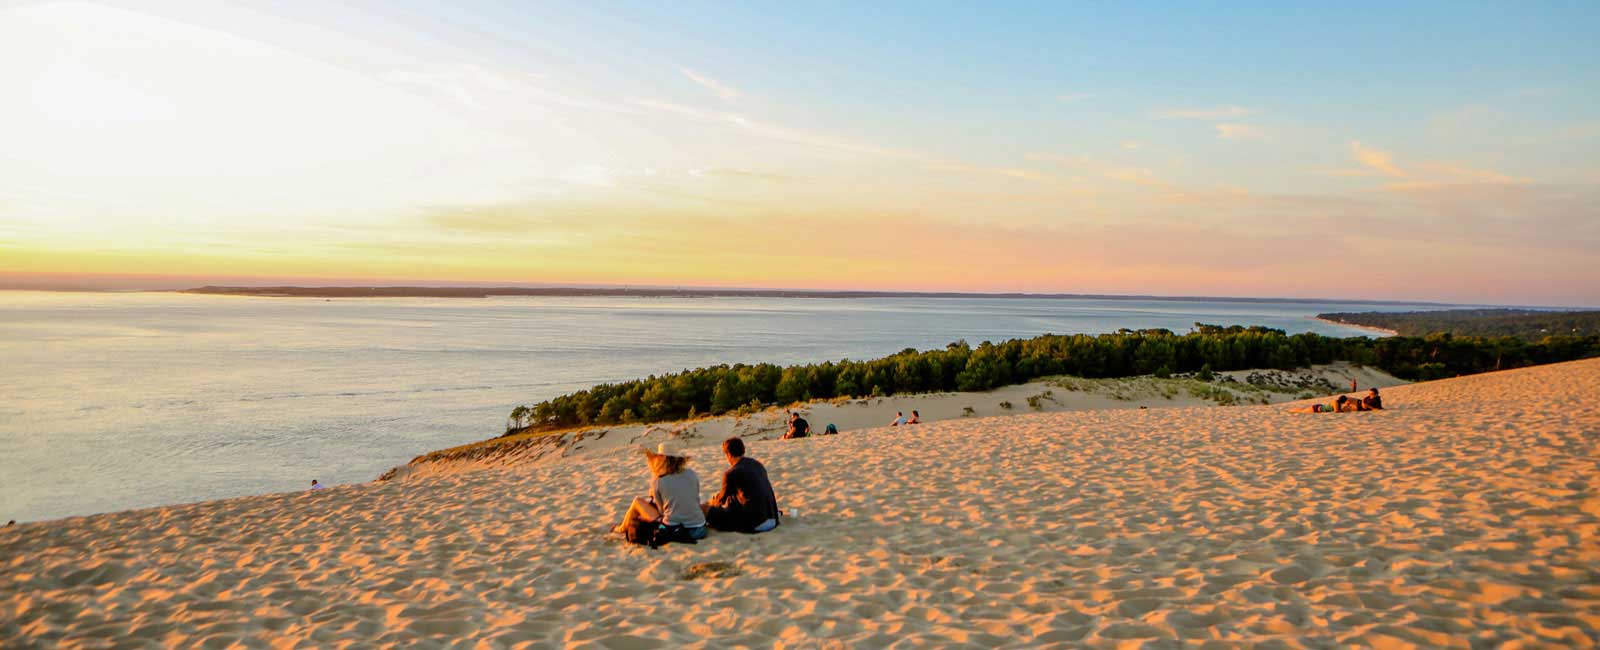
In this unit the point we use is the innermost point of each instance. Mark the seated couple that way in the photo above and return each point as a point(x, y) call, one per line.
point(900, 419)
point(1372, 402)
point(673, 512)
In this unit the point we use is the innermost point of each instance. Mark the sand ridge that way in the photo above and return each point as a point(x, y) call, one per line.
point(1465, 516)
point(1046, 395)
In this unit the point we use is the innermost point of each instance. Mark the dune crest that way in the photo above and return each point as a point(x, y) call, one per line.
point(1046, 395)
point(1466, 515)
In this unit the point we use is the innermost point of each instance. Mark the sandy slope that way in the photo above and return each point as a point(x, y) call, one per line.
point(1049, 395)
point(1465, 516)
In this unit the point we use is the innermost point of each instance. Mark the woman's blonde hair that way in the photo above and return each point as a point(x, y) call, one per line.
point(665, 465)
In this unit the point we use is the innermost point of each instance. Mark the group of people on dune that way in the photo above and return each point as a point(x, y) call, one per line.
point(1344, 404)
point(800, 428)
point(673, 512)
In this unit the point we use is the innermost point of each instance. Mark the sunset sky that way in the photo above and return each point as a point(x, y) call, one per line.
point(1443, 152)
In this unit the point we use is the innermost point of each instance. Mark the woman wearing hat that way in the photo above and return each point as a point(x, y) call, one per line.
point(674, 494)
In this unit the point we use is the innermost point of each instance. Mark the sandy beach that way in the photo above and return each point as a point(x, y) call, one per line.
point(1467, 515)
point(1369, 328)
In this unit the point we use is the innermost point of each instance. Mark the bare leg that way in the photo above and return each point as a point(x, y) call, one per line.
point(639, 509)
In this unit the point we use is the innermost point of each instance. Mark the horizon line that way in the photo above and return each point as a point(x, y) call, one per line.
point(668, 291)
point(131, 283)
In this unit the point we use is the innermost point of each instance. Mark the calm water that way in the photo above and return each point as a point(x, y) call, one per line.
point(115, 401)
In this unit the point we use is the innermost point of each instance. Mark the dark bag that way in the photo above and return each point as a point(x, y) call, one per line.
point(642, 532)
point(654, 535)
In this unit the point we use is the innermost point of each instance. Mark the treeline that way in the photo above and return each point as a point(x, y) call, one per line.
point(960, 367)
point(1529, 324)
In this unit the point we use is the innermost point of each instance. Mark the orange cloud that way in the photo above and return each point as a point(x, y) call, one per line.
point(1376, 160)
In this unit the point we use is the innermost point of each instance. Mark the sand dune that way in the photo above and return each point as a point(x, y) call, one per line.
point(1466, 516)
point(1048, 395)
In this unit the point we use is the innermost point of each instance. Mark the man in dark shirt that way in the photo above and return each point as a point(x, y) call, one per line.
point(798, 427)
point(746, 503)
point(1372, 400)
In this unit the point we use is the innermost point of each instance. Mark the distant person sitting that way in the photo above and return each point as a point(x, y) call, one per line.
point(673, 501)
point(1373, 401)
point(916, 418)
point(899, 419)
point(830, 430)
point(746, 503)
point(798, 427)
point(316, 486)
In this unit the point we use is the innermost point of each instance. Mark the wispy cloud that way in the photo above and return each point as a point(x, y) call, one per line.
point(1377, 160)
point(1463, 172)
point(1229, 131)
point(1226, 111)
point(447, 83)
point(1425, 175)
point(739, 173)
point(829, 142)
point(494, 91)
point(1003, 172)
point(769, 131)
point(721, 89)
point(1456, 177)
point(1073, 98)
point(1093, 167)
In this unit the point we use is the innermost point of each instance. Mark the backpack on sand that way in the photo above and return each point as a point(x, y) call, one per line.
point(654, 535)
point(642, 532)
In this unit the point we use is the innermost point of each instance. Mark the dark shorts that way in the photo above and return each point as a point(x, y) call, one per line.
point(731, 520)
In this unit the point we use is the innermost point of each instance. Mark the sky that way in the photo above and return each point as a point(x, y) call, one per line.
point(1436, 151)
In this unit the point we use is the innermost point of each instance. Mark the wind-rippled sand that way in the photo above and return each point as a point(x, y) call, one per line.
point(1465, 516)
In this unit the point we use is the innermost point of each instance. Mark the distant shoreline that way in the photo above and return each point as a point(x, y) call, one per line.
point(486, 292)
point(1370, 328)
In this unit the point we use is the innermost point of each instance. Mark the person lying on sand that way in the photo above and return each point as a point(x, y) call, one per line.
point(899, 419)
point(674, 495)
point(1341, 405)
point(1372, 401)
point(746, 503)
point(915, 418)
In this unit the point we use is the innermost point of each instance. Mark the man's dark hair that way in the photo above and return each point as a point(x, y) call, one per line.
point(733, 447)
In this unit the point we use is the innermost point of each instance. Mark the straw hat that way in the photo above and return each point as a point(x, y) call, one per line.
point(670, 448)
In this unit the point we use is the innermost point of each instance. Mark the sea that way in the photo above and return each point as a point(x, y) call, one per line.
point(113, 401)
